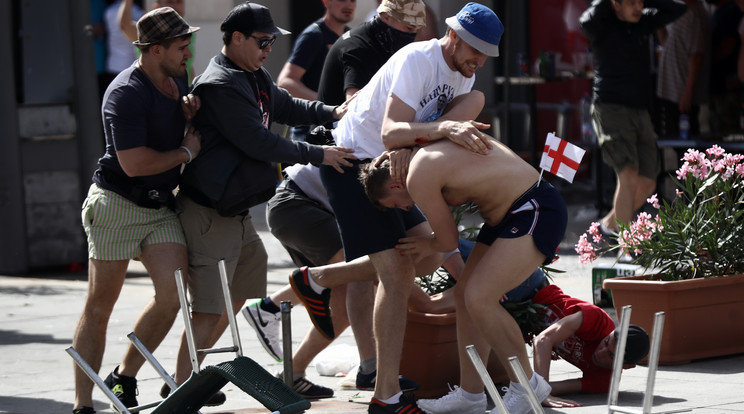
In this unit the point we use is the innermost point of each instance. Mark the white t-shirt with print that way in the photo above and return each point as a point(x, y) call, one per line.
point(419, 76)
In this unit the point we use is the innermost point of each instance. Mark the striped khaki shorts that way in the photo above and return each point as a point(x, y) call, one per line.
point(118, 229)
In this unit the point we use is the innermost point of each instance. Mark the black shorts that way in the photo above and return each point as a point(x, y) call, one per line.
point(304, 227)
point(365, 229)
point(539, 212)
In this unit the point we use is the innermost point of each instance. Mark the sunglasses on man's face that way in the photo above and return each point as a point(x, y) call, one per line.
point(265, 42)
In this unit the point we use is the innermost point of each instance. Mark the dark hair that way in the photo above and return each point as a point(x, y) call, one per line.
point(636, 346)
point(165, 43)
point(375, 180)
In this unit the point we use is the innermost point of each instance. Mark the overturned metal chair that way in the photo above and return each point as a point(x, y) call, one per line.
point(242, 371)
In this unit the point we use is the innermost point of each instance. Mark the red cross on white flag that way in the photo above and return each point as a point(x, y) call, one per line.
point(561, 157)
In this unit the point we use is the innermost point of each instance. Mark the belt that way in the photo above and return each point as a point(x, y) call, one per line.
point(140, 195)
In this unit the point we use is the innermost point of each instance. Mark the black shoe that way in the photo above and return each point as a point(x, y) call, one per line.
point(311, 391)
point(406, 405)
point(317, 305)
point(366, 382)
point(218, 398)
point(123, 387)
point(84, 410)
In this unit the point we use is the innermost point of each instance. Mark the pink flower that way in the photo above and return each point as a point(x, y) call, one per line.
point(585, 249)
point(654, 201)
point(740, 170)
point(682, 171)
point(715, 151)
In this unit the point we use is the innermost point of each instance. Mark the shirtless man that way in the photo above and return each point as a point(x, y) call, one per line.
point(523, 219)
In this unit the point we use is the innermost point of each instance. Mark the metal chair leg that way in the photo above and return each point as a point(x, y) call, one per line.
point(486, 378)
point(525, 382)
point(286, 307)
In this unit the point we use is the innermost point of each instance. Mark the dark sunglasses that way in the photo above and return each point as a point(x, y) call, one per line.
point(264, 43)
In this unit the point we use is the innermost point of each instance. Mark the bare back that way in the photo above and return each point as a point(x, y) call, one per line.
point(493, 182)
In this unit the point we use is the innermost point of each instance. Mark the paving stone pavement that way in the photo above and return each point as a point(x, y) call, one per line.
point(38, 314)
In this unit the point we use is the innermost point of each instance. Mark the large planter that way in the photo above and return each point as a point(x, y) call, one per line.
point(703, 317)
point(430, 354)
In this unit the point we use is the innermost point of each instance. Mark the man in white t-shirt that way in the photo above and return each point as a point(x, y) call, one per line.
point(405, 104)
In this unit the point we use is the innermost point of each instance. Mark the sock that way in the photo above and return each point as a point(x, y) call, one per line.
point(533, 380)
point(395, 399)
point(297, 375)
point(316, 287)
point(473, 397)
point(368, 366)
point(269, 306)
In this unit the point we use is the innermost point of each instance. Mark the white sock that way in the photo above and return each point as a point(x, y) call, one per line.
point(316, 287)
point(473, 397)
point(395, 399)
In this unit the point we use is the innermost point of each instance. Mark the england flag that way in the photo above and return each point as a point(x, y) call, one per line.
point(561, 158)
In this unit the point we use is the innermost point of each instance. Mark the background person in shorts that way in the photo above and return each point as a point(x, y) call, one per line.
point(129, 209)
point(619, 32)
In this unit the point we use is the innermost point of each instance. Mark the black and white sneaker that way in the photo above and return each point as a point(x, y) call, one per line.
point(267, 326)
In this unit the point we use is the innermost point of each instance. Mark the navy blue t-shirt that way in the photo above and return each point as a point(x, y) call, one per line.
point(310, 50)
point(136, 114)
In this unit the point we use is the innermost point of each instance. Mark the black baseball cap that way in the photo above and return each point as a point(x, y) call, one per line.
point(251, 17)
point(636, 346)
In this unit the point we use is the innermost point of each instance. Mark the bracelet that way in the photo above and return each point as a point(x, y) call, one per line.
point(188, 151)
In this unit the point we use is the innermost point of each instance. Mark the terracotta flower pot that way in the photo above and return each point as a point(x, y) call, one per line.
point(430, 354)
point(703, 317)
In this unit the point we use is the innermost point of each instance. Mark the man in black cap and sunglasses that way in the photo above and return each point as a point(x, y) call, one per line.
point(234, 170)
point(129, 212)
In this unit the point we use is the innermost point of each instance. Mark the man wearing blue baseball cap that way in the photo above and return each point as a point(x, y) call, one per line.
point(421, 94)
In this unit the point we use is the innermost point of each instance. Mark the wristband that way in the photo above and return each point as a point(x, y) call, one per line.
point(188, 151)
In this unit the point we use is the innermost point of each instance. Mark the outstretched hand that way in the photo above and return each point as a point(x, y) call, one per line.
point(469, 135)
point(556, 402)
point(340, 110)
point(337, 157)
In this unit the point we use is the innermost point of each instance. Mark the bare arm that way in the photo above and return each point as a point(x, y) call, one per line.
point(424, 184)
point(350, 92)
point(143, 161)
point(549, 338)
point(399, 131)
point(126, 23)
point(290, 79)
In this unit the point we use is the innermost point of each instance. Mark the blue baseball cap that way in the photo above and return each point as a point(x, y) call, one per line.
point(479, 27)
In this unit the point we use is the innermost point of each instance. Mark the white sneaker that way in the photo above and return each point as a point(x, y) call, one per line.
point(516, 401)
point(267, 326)
point(453, 403)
